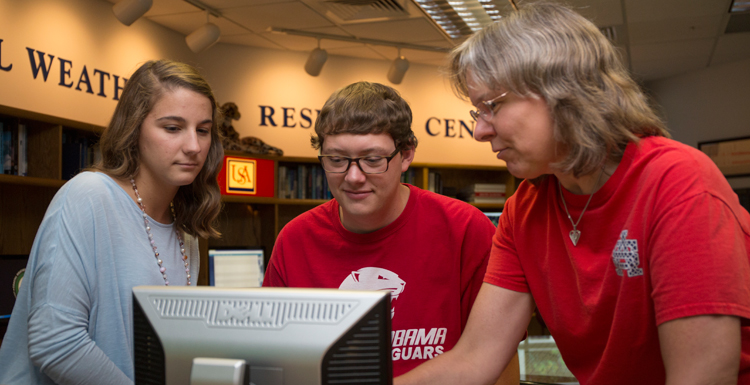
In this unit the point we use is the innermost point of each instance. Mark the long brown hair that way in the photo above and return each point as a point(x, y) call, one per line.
point(551, 51)
point(197, 205)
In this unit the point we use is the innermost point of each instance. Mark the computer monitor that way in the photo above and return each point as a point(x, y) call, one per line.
point(271, 336)
point(235, 267)
point(494, 217)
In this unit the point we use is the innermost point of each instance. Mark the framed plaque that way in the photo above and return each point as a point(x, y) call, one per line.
point(732, 156)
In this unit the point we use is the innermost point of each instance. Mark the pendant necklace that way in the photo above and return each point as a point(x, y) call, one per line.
point(162, 269)
point(575, 234)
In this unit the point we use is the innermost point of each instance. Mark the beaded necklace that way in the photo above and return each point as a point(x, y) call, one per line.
point(162, 269)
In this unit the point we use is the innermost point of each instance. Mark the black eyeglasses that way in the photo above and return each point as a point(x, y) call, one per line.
point(371, 164)
point(486, 109)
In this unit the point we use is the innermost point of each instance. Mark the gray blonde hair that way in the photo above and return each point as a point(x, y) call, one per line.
point(549, 50)
point(198, 204)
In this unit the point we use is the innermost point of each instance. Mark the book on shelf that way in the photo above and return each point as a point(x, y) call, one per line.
point(318, 183)
point(71, 159)
point(6, 149)
point(488, 194)
point(303, 181)
point(489, 187)
point(409, 176)
point(484, 193)
point(434, 182)
point(79, 151)
point(12, 143)
point(23, 162)
point(282, 182)
point(291, 180)
point(487, 200)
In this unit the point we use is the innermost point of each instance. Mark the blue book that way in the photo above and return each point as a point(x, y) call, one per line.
point(23, 165)
point(3, 151)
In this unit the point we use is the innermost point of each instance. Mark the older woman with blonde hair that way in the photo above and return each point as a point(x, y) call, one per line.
point(132, 220)
point(633, 247)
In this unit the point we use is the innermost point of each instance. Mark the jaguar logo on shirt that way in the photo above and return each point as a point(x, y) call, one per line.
point(375, 278)
point(625, 256)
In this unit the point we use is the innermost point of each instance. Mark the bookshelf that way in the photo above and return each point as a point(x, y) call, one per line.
point(455, 178)
point(243, 221)
point(25, 198)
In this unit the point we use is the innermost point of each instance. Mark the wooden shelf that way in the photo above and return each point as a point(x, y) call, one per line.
point(248, 199)
point(458, 166)
point(31, 181)
point(272, 201)
point(245, 221)
point(35, 116)
point(488, 206)
point(302, 202)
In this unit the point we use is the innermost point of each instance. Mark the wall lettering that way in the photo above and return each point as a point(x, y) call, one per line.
point(305, 115)
point(4, 68)
point(101, 81)
point(85, 80)
point(35, 68)
point(65, 71)
point(448, 128)
point(118, 87)
point(287, 117)
point(42, 62)
point(264, 115)
point(433, 127)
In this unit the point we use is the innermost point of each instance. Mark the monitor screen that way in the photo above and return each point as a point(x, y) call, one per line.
point(235, 267)
point(272, 336)
point(494, 217)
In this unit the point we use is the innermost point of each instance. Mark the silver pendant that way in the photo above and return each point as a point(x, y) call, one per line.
point(575, 235)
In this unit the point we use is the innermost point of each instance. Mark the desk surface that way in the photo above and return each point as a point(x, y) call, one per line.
point(532, 379)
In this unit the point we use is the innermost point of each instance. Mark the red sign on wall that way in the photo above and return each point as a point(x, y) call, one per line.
point(247, 177)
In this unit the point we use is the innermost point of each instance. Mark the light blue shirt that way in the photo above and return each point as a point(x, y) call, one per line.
point(73, 322)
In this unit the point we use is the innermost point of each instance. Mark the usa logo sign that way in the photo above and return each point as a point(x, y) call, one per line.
point(247, 177)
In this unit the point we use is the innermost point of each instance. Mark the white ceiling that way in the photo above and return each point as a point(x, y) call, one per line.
point(660, 38)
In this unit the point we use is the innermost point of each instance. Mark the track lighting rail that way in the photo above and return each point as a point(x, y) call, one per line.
point(326, 36)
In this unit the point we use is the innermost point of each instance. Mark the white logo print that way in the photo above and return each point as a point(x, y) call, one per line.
point(375, 278)
point(625, 256)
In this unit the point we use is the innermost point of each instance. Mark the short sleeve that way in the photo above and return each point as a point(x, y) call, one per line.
point(504, 268)
point(699, 262)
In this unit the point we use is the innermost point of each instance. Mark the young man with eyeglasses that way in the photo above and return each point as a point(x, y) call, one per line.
point(429, 250)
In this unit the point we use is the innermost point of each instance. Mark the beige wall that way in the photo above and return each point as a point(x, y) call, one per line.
point(86, 33)
point(706, 105)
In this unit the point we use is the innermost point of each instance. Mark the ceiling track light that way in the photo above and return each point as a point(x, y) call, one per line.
point(316, 60)
point(295, 32)
point(398, 69)
point(204, 37)
point(128, 11)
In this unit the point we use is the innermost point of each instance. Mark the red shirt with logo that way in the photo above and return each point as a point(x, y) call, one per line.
point(664, 238)
point(432, 257)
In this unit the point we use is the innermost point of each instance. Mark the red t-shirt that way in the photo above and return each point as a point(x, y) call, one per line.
point(664, 238)
point(432, 257)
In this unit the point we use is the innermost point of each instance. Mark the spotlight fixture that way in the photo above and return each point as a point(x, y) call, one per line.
point(398, 69)
point(203, 37)
point(128, 11)
point(316, 60)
